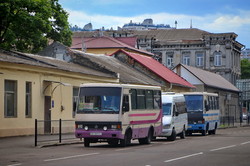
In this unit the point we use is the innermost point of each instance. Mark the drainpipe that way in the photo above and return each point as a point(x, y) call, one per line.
point(171, 86)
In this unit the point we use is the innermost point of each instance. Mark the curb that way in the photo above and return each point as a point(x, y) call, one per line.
point(59, 144)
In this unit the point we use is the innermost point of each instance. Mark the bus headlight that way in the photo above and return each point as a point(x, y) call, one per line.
point(201, 121)
point(116, 126)
point(86, 127)
point(105, 128)
point(167, 126)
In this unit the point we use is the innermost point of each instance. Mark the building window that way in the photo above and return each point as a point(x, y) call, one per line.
point(75, 98)
point(169, 61)
point(186, 60)
point(28, 100)
point(199, 59)
point(217, 59)
point(10, 98)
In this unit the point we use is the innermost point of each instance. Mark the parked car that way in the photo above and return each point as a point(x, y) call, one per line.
point(244, 116)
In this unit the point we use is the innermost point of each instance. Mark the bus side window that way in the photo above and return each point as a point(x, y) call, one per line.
point(125, 103)
point(207, 105)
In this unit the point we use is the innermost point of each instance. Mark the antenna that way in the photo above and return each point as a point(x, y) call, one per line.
point(191, 26)
point(83, 46)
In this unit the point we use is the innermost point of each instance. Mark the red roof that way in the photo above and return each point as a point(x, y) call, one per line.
point(157, 68)
point(131, 41)
point(103, 42)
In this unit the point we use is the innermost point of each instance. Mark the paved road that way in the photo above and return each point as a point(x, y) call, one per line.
point(229, 147)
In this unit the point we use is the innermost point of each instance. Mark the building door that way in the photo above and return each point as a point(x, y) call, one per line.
point(47, 114)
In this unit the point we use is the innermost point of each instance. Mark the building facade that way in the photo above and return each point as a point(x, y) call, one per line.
point(34, 87)
point(244, 86)
point(205, 81)
point(215, 52)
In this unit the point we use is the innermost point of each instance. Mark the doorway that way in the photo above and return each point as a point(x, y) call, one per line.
point(47, 114)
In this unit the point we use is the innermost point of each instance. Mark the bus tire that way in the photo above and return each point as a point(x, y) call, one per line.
point(127, 138)
point(173, 136)
point(214, 130)
point(148, 139)
point(204, 132)
point(86, 142)
point(183, 133)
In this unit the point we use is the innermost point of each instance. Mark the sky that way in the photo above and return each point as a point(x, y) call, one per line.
point(215, 16)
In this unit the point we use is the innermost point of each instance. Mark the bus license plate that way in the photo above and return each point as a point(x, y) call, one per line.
point(95, 133)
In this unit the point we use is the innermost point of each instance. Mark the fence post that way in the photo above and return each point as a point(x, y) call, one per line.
point(60, 130)
point(35, 132)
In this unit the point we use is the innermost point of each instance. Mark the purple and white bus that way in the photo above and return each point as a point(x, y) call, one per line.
point(118, 113)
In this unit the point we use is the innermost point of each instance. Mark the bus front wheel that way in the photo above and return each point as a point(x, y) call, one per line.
point(183, 133)
point(127, 138)
point(86, 142)
point(173, 136)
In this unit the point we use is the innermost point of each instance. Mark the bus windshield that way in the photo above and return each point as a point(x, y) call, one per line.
point(194, 103)
point(99, 100)
point(166, 108)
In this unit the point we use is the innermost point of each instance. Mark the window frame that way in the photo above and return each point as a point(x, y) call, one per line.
point(217, 59)
point(6, 94)
point(186, 60)
point(199, 59)
point(28, 100)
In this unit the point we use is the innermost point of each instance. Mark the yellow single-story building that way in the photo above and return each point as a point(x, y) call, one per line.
point(34, 87)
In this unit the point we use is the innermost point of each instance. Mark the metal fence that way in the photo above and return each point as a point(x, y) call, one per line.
point(231, 121)
point(54, 131)
point(227, 121)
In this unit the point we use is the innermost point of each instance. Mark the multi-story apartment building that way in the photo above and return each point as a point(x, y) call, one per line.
point(215, 52)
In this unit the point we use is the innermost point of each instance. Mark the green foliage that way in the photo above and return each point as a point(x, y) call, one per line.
point(245, 69)
point(27, 25)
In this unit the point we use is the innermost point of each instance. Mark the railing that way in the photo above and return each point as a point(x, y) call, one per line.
point(231, 121)
point(227, 121)
point(54, 131)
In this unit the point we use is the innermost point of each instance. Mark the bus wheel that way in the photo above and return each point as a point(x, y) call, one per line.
point(86, 142)
point(173, 136)
point(147, 140)
point(127, 138)
point(214, 130)
point(183, 133)
point(189, 133)
point(204, 132)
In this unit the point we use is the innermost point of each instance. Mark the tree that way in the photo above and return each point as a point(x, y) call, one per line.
point(27, 25)
point(245, 69)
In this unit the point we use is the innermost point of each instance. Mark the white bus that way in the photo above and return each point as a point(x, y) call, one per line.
point(203, 112)
point(174, 122)
point(118, 113)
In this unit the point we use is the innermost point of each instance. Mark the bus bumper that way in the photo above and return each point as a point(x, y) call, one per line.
point(166, 132)
point(100, 134)
point(196, 127)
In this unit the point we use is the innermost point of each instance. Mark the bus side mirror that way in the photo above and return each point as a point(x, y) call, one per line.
point(207, 107)
point(176, 113)
point(125, 107)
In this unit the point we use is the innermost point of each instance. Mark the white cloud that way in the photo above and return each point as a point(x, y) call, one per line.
point(216, 23)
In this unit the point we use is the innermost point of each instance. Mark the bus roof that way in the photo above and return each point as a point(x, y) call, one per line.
point(120, 85)
point(200, 93)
